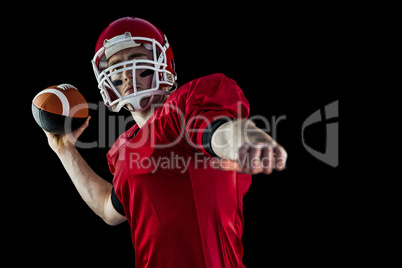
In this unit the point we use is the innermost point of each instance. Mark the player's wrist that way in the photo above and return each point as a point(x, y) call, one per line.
point(65, 149)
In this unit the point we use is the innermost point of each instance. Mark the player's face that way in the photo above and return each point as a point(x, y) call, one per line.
point(126, 77)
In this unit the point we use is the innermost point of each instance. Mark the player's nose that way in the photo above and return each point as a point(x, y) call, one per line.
point(128, 73)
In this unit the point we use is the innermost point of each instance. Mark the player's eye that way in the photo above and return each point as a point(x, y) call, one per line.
point(116, 68)
point(143, 64)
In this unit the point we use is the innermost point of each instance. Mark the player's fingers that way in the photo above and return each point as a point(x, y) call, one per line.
point(254, 159)
point(73, 136)
point(77, 133)
point(85, 125)
point(267, 160)
point(244, 158)
point(281, 157)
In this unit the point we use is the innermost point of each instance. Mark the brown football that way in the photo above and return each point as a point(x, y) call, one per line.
point(60, 109)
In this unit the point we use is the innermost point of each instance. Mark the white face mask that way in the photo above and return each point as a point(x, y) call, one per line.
point(155, 67)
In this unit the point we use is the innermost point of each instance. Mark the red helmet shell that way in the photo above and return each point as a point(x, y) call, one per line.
point(137, 28)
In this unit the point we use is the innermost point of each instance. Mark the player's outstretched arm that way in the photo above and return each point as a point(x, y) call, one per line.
point(93, 189)
point(245, 148)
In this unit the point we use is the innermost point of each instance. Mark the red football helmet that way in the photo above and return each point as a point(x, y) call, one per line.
point(126, 33)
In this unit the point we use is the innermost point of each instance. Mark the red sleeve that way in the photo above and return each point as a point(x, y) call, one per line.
point(210, 98)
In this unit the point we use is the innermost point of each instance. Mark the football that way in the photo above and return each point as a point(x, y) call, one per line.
point(60, 109)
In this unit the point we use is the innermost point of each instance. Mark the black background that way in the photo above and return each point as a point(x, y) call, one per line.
point(289, 60)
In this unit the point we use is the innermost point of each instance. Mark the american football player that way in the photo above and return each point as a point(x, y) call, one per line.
point(180, 173)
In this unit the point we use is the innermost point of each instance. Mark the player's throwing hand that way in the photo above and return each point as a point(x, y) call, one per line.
point(59, 143)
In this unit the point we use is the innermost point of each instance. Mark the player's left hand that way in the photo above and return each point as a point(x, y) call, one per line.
point(260, 157)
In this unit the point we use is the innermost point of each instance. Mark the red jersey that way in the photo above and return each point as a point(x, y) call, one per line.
point(182, 212)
